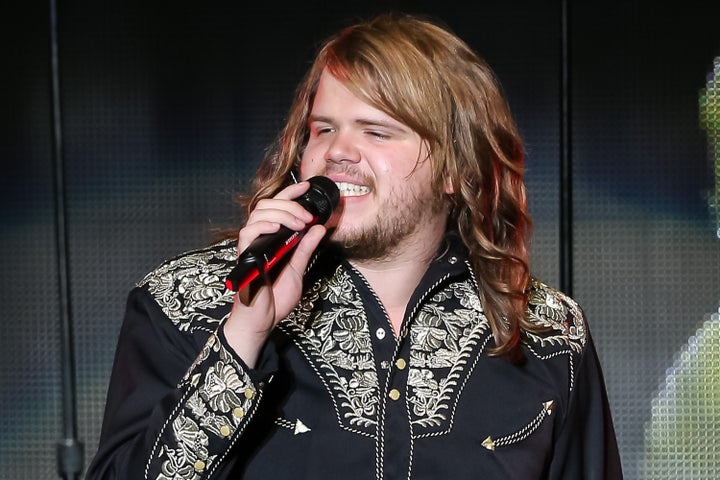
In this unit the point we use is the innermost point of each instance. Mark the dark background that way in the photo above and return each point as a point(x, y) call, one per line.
point(167, 107)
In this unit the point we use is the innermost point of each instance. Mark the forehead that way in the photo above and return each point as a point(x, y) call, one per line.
point(332, 90)
point(333, 100)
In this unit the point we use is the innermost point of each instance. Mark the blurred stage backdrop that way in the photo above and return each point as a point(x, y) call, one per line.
point(167, 107)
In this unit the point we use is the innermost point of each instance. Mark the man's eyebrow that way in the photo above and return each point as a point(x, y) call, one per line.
point(318, 118)
point(381, 123)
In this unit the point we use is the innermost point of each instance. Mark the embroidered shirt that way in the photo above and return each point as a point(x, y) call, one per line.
point(336, 395)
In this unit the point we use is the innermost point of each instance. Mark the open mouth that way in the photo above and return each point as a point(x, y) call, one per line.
point(351, 189)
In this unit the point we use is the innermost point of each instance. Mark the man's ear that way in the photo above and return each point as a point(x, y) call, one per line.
point(448, 186)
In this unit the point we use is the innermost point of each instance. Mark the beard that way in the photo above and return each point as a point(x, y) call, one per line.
point(399, 217)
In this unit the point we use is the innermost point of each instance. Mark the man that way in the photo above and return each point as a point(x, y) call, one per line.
point(405, 338)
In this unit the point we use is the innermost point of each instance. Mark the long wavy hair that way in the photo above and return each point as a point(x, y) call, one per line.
point(418, 71)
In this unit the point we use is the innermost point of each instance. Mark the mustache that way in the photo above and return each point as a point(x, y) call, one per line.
point(351, 172)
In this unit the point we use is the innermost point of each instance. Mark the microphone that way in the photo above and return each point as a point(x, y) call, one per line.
point(267, 249)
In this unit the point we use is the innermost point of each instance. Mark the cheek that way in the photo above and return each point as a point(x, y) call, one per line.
point(309, 165)
point(402, 161)
point(389, 165)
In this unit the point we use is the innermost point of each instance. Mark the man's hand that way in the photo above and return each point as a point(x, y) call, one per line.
point(259, 307)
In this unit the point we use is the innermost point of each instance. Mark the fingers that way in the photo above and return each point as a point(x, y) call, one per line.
point(272, 213)
point(306, 247)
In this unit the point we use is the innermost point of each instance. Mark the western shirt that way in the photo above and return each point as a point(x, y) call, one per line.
point(337, 395)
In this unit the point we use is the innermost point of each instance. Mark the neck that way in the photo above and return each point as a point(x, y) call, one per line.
point(395, 277)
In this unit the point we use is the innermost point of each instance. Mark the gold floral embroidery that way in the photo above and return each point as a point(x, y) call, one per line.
point(551, 308)
point(444, 338)
point(191, 451)
point(191, 284)
point(209, 412)
point(338, 339)
point(445, 335)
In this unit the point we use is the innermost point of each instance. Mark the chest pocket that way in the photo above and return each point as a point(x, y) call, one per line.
point(503, 439)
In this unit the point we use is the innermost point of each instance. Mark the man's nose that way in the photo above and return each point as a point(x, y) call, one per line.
point(343, 148)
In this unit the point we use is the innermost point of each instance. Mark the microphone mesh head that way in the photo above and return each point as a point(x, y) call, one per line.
point(322, 198)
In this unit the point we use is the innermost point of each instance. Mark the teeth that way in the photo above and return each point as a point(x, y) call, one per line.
point(351, 189)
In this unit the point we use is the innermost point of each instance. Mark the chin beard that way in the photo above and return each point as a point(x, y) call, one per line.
point(371, 244)
point(382, 240)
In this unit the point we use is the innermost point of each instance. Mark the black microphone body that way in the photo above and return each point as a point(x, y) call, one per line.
point(268, 249)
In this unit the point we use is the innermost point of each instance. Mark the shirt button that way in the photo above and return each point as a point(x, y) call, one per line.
point(394, 394)
point(249, 393)
point(400, 364)
point(225, 431)
point(452, 260)
point(380, 333)
point(199, 466)
point(239, 412)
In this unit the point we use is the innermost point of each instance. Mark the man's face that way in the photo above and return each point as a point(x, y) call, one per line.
point(382, 168)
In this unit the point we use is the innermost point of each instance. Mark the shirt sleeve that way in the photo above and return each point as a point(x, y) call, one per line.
point(586, 447)
point(174, 406)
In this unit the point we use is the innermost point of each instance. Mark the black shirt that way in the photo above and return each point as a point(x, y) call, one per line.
point(336, 395)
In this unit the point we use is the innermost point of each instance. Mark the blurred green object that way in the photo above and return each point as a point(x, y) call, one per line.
point(683, 433)
point(710, 122)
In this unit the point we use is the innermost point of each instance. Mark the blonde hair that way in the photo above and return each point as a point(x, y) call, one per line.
point(420, 73)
